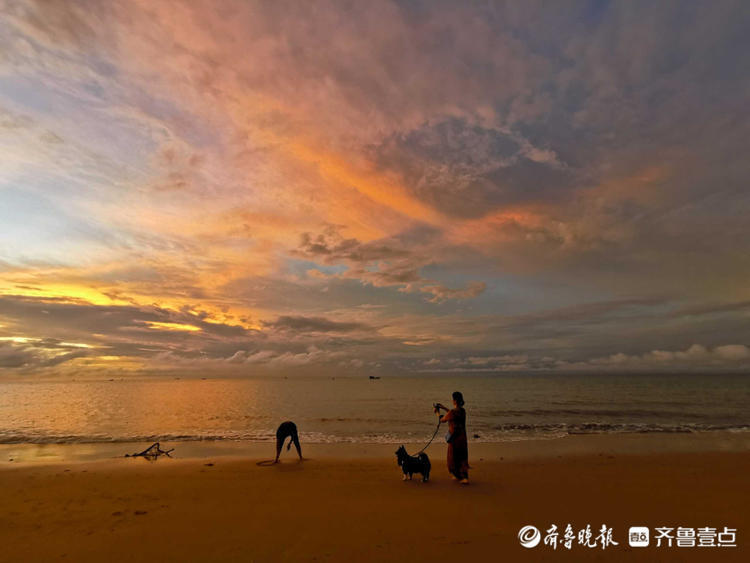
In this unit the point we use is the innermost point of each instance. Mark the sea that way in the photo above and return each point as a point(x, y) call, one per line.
point(357, 409)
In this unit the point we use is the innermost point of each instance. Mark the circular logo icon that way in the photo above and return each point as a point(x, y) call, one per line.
point(529, 536)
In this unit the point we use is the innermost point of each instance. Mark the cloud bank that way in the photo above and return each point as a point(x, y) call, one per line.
point(388, 186)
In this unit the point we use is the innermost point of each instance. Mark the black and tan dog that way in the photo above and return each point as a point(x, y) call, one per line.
point(413, 464)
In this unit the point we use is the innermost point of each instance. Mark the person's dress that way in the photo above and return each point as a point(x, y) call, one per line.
point(458, 447)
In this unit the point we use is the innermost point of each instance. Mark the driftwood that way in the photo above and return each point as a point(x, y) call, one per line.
point(152, 452)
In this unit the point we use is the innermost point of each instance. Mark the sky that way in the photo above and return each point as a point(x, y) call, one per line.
point(230, 187)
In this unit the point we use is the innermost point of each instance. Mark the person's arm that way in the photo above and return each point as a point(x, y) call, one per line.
point(448, 417)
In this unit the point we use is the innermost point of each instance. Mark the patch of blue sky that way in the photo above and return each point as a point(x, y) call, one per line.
point(36, 226)
point(594, 11)
point(87, 91)
point(27, 94)
point(114, 136)
point(507, 294)
point(354, 293)
point(300, 268)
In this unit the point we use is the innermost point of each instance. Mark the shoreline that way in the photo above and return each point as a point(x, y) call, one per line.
point(15, 455)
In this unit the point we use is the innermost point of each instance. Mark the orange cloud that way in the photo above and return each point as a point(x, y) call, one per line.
point(172, 326)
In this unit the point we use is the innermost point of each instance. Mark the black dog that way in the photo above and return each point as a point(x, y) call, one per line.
point(411, 464)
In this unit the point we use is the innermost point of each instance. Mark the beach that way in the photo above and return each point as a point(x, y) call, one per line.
point(348, 502)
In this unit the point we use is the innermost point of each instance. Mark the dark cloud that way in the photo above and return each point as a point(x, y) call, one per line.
point(441, 293)
point(38, 353)
point(617, 334)
point(43, 333)
point(12, 356)
point(126, 330)
point(315, 324)
point(711, 309)
point(466, 170)
point(392, 262)
point(722, 358)
point(588, 312)
point(331, 248)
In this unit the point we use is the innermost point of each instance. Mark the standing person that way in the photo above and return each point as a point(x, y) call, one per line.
point(287, 429)
point(458, 445)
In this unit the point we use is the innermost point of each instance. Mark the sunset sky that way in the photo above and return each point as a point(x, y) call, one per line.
point(231, 187)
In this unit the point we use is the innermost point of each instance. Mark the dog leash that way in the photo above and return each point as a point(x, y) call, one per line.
point(431, 439)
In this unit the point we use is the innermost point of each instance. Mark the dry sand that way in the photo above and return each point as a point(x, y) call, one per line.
point(348, 503)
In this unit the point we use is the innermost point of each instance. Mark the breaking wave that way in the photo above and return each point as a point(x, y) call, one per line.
point(498, 433)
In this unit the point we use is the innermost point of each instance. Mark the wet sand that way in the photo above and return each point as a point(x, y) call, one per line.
point(347, 502)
